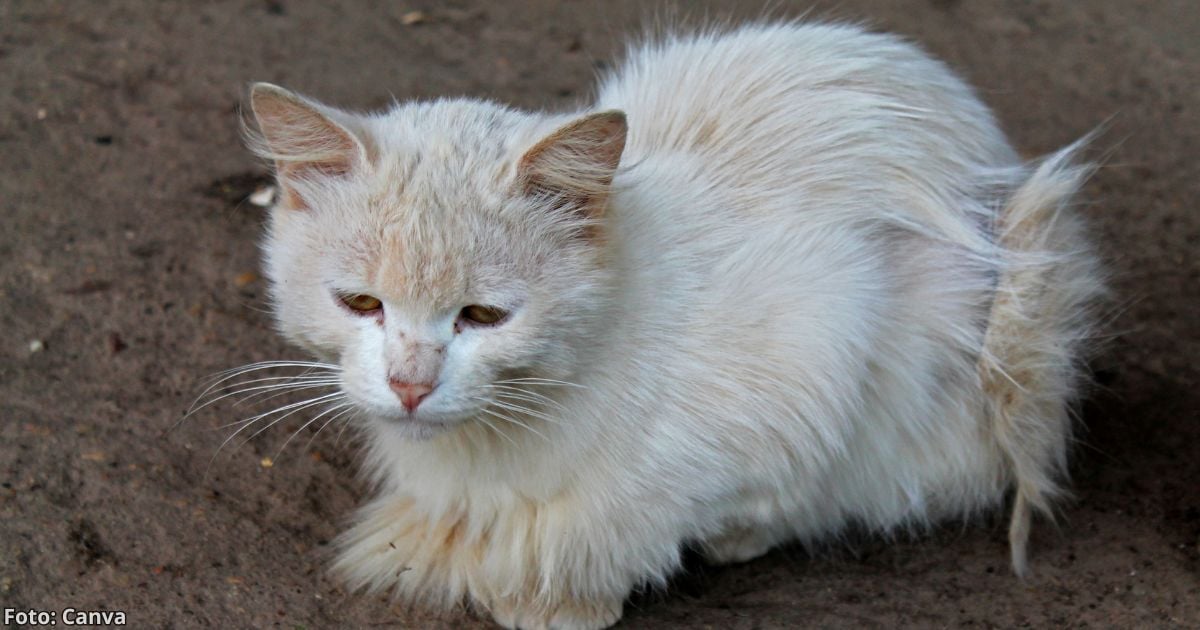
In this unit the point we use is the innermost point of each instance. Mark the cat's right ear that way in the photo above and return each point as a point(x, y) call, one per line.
point(302, 139)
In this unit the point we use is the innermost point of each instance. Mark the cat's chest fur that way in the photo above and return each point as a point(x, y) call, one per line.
point(778, 281)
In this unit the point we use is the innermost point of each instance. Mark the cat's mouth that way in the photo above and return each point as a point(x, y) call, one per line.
point(413, 428)
point(419, 424)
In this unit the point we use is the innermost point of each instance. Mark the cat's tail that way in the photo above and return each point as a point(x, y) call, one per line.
point(1039, 331)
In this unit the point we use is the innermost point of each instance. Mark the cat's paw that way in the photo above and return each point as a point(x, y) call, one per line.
point(586, 615)
point(739, 545)
point(504, 613)
point(567, 615)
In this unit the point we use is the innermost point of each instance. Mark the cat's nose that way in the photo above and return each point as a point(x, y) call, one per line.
point(411, 394)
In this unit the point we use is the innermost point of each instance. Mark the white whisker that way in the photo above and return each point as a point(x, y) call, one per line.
point(508, 396)
point(526, 394)
point(276, 392)
point(301, 406)
point(345, 425)
point(294, 407)
point(524, 410)
point(307, 424)
point(538, 381)
point(266, 395)
point(263, 365)
point(494, 428)
point(264, 388)
point(223, 377)
point(508, 419)
point(263, 379)
point(346, 408)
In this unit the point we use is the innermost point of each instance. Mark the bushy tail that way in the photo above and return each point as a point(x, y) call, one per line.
point(1038, 334)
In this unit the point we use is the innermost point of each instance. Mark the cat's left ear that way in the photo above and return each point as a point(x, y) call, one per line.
point(303, 139)
point(575, 165)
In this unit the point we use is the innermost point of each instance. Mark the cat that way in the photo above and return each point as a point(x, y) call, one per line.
point(779, 280)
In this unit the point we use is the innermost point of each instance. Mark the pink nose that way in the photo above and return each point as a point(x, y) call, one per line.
point(411, 394)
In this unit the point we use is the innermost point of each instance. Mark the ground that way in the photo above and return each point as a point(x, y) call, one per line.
point(128, 258)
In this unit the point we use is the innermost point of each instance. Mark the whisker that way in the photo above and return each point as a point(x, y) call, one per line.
point(301, 406)
point(525, 399)
point(238, 372)
point(529, 395)
point(262, 365)
point(295, 378)
point(219, 378)
point(519, 409)
point(263, 379)
point(245, 422)
point(297, 406)
point(288, 380)
point(345, 425)
point(513, 421)
point(307, 424)
point(349, 407)
point(539, 381)
point(493, 427)
point(284, 388)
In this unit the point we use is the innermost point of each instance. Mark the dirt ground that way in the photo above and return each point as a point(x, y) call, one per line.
point(127, 255)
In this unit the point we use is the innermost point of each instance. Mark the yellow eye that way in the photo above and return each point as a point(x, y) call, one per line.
point(483, 314)
point(362, 302)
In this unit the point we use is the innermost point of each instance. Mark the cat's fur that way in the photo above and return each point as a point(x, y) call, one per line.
point(820, 290)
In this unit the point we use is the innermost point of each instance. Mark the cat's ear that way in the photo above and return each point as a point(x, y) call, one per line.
point(575, 165)
point(302, 138)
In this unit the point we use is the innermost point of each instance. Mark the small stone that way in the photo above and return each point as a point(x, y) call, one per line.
point(413, 18)
point(41, 113)
point(37, 429)
point(263, 196)
point(115, 343)
point(266, 462)
point(245, 279)
point(36, 345)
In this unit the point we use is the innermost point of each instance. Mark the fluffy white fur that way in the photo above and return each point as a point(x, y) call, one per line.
point(820, 290)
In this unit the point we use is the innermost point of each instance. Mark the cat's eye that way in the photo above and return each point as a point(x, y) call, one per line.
point(361, 302)
point(484, 315)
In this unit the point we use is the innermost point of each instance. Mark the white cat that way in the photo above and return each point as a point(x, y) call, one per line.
point(778, 280)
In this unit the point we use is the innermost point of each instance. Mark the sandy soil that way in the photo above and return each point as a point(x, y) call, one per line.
point(127, 258)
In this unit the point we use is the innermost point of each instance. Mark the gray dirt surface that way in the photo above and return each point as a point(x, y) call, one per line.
point(127, 251)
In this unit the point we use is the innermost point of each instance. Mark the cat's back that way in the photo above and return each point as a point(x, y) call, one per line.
point(825, 100)
point(786, 173)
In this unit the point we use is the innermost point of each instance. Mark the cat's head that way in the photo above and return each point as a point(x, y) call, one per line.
point(438, 249)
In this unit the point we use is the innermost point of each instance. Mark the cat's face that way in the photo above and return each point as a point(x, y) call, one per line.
point(438, 251)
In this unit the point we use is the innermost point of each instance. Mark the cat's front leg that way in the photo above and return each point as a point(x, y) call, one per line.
point(529, 565)
point(578, 571)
